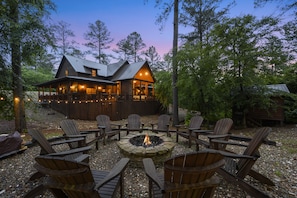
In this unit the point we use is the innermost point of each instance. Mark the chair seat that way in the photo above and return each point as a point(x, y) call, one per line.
point(107, 189)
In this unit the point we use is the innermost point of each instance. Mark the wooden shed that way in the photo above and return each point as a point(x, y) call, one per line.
point(257, 115)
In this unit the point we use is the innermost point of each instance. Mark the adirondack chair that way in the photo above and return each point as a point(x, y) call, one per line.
point(71, 130)
point(77, 154)
point(134, 123)
point(162, 125)
point(222, 127)
point(67, 178)
point(238, 166)
point(107, 128)
point(187, 175)
point(187, 132)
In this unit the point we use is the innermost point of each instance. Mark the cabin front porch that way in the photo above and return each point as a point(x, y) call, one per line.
point(116, 109)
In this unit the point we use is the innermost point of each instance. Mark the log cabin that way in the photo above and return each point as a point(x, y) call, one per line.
point(83, 89)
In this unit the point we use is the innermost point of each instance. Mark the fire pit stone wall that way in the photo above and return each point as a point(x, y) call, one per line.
point(158, 153)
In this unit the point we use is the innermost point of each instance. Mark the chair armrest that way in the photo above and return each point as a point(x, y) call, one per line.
point(218, 141)
point(234, 155)
point(217, 136)
point(90, 131)
point(180, 126)
point(67, 141)
point(76, 136)
point(247, 139)
point(72, 151)
point(101, 127)
point(117, 125)
point(150, 171)
point(82, 158)
point(115, 171)
point(202, 132)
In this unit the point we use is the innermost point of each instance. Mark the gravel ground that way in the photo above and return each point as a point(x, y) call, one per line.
point(278, 163)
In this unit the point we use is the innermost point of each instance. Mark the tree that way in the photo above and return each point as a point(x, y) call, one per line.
point(175, 64)
point(24, 34)
point(99, 39)
point(123, 50)
point(154, 59)
point(201, 15)
point(130, 48)
point(167, 8)
point(136, 44)
point(238, 40)
point(63, 40)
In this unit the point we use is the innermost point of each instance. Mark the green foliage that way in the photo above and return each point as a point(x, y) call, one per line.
point(32, 77)
point(163, 88)
point(291, 108)
point(6, 105)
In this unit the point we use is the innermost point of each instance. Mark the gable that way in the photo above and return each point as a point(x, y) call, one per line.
point(139, 71)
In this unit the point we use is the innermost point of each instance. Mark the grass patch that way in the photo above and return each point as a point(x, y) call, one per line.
point(290, 145)
point(278, 173)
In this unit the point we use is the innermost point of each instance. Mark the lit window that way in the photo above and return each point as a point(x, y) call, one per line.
point(66, 72)
point(94, 72)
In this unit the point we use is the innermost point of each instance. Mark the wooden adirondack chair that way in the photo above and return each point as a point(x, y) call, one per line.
point(67, 178)
point(222, 127)
point(71, 130)
point(187, 132)
point(107, 128)
point(238, 166)
point(188, 175)
point(162, 125)
point(78, 154)
point(134, 123)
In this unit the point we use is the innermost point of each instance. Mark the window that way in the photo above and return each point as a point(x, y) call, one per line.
point(66, 72)
point(94, 72)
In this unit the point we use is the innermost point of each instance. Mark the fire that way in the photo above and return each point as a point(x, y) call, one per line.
point(146, 140)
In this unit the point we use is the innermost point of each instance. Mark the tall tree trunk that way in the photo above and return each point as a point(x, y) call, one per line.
point(174, 65)
point(18, 96)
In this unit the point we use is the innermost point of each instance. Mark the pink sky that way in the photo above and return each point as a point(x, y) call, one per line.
point(123, 17)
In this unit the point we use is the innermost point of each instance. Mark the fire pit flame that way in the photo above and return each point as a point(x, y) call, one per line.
point(146, 140)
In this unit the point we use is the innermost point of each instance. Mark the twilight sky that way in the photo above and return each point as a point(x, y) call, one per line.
point(123, 17)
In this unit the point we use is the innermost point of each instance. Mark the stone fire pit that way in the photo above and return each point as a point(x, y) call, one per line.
point(158, 152)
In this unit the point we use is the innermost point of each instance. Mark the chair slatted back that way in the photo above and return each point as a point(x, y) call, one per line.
point(69, 127)
point(195, 122)
point(223, 126)
point(74, 178)
point(244, 165)
point(134, 122)
point(184, 175)
point(163, 122)
point(104, 120)
point(45, 146)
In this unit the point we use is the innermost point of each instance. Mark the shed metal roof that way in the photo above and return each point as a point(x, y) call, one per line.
point(278, 87)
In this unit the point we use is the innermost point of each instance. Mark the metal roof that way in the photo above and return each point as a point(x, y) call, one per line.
point(278, 87)
point(80, 65)
point(128, 71)
point(72, 78)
